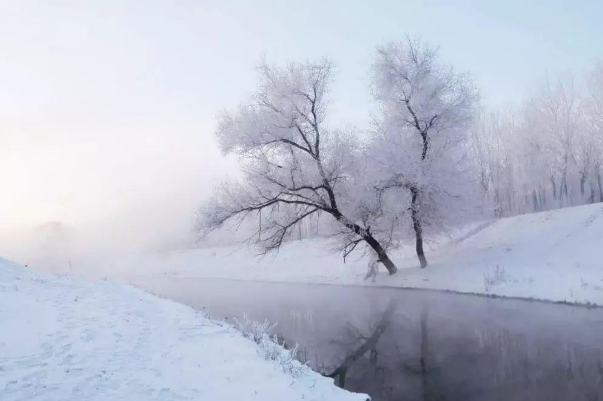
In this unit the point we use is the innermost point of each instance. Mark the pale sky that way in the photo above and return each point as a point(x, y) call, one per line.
point(107, 108)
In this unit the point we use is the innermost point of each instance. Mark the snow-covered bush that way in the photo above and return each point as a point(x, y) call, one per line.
point(497, 277)
point(269, 346)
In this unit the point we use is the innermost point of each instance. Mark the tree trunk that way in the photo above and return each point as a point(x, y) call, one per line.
point(425, 145)
point(368, 237)
point(365, 234)
point(497, 204)
point(419, 243)
point(389, 265)
point(591, 199)
point(563, 190)
point(416, 223)
point(381, 254)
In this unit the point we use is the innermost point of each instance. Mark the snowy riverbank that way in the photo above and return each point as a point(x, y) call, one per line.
point(554, 256)
point(64, 338)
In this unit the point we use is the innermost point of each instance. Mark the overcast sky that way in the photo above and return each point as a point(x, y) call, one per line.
point(107, 107)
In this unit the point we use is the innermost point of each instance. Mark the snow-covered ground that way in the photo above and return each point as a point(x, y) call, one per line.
point(64, 338)
point(555, 256)
point(68, 338)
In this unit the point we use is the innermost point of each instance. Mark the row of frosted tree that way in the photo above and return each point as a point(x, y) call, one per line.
point(429, 161)
point(547, 153)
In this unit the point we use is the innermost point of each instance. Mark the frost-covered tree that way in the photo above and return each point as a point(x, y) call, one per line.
point(548, 151)
point(594, 118)
point(556, 119)
point(425, 111)
point(294, 166)
point(489, 147)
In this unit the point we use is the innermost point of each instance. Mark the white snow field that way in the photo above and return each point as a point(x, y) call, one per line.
point(556, 256)
point(64, 338)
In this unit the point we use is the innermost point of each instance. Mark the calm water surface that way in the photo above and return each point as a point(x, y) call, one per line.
point(418, 345)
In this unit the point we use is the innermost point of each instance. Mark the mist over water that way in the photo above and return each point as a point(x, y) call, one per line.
point(109, 213)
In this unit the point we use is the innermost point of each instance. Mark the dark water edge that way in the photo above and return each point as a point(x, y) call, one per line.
point(418, 345)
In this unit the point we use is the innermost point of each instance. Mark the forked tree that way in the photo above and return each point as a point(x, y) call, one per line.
point(426, 108)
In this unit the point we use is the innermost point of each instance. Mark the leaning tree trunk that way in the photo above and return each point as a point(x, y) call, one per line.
point(368, 238)
point(381, 254)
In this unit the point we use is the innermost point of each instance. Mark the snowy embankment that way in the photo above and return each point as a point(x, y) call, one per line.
point(65, 338)
point(556, 256)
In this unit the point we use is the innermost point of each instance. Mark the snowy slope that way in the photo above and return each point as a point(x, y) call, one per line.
point(69, 339)
point(555, 256)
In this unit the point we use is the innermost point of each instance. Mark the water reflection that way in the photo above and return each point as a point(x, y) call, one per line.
point(411, 345)
point(413, 357)
point(363, 345)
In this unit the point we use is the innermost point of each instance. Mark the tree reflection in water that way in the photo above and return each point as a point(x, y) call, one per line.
point(418, 345)
point(365, 344)
point(410, 357)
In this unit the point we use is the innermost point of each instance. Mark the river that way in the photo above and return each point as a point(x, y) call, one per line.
point(397, 344)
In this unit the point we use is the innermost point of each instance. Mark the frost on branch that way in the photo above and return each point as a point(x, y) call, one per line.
point(270, 348)
point(294, 166)
point(418, 147)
